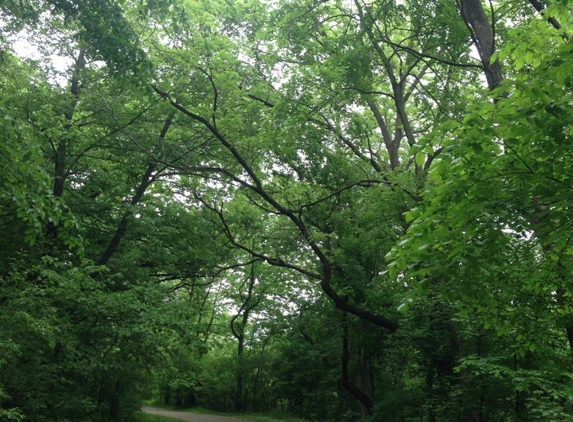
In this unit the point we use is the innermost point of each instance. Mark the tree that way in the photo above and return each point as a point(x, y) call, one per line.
point(75, 331)
point(196, 167)
point(493, 191)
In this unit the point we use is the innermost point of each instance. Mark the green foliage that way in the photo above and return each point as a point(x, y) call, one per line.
point(25, 183)
point(77, 344)
point(146, 417)
point(494, 235)
point(170, 218)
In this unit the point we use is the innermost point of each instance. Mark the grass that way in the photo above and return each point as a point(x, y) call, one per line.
point(146, 417)
point(273, 418)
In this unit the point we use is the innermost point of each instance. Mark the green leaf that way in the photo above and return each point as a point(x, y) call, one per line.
point(420, 158)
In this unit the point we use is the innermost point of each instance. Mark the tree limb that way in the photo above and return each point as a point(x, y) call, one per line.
point(540, 7)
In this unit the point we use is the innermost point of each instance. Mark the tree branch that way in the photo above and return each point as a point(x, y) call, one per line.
point(540, 7)
point(257, 187)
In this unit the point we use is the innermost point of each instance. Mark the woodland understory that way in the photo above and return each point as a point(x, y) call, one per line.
point(342, 209)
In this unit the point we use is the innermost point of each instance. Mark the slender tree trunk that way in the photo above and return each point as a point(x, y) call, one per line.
point(146, 180)
point(365, 401)
point(239, 333)
point(61, 150)
point(122, 226)
point(239, 392)
point(114, 401)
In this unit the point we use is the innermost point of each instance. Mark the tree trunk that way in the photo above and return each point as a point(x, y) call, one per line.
point(483, 36)
point(239, 333)
point(146, 180)
point(365, 401)
point(60, 154)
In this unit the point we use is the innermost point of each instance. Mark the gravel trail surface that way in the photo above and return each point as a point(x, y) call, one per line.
point(191, 417)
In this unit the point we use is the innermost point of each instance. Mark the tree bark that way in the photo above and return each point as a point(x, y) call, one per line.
point(256, 186)
point(483, 36)
point(540, 7)
point(60, 154)
point(361, 396)
point(239, 333)
point(146, 180)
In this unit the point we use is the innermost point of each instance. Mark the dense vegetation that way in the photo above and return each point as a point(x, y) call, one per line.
point(347, 209)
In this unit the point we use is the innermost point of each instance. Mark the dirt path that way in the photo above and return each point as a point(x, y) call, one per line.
point(191, 417)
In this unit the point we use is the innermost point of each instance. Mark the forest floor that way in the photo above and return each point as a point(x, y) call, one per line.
point(191, 417)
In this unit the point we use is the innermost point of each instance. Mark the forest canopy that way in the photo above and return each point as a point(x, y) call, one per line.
point(345, 210)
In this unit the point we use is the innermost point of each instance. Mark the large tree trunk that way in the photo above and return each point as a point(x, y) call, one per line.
point(483, 35)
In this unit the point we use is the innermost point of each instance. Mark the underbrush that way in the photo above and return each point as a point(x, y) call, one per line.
point(274, 417)
point(146, 417)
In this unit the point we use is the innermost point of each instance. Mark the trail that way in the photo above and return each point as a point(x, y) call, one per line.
point(191, 417)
